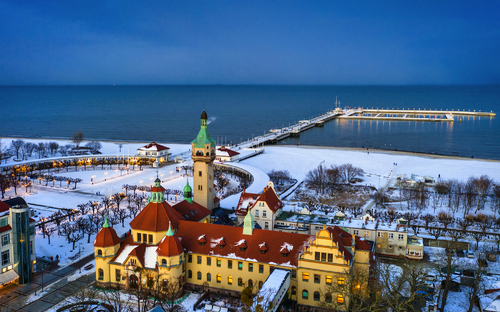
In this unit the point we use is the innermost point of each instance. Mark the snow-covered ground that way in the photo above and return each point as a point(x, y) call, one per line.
point(379, 168)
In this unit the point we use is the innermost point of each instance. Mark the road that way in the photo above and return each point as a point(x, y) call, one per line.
point(13, 297)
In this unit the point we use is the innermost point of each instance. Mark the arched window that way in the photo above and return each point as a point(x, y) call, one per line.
point(316, 296)
point(198, 275)
point(340, 299)
point(219, 278)
point(190, 274)
point(250, 283)
point(209, 277)
point(260, 284)
point(305, 294)
point(230, 280)
point(99, 252)
point(328, 298)
point(101, 274)
point(240, 281)
point(163, 262)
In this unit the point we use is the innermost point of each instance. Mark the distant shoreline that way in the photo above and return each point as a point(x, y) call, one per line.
point(353, 149)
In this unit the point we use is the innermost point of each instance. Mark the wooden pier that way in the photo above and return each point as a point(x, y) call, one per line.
point(382, 114)
point(410, 114)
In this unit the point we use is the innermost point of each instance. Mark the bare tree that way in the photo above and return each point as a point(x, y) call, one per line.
point(316, 179)
point(483, 186)
point(49, 231)
point(77, 137)
point(94, 146)
point(4, 184)
point(16, 146)
point(117, 198)
point(53, 146)
point(348, 172)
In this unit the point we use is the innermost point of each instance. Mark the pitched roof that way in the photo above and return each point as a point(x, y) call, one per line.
point(155, 217)
point(248, 201)
point(190, 232)
point(222, 151)
point(194, 212)
point(16, 201)
point(106, 237)
point(5, 228)
point(153, 146)
point(346, 239)
point(170, 245)
point(4, 207)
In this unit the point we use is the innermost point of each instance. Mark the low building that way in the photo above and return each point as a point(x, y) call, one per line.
point(223, 154)
point(390, 238)
point(17, 235)
point(264, 207)
point(154, 151)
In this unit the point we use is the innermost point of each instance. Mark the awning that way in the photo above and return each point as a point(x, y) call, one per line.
point(8, 277)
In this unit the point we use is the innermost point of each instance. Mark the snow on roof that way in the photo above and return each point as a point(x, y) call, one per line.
point(240, 242)
point(125, 252)
point(287, 246)
point(273, 283)
point(153, 146)
point(494, 306)
point(150, 257)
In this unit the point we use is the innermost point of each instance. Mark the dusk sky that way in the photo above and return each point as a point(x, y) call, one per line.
point(249, 42)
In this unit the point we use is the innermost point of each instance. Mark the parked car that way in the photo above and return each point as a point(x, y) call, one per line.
point(470, 254)
point(461, 253)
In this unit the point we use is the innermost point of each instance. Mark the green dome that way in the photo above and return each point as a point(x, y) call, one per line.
point(188, 192)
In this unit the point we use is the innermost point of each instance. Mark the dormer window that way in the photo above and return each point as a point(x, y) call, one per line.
point(242, 244)
point(202, 240)
point(284, 251)
point(222, 243)
point(263, 248)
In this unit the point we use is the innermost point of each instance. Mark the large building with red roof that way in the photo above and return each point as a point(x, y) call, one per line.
point(154, 151)
point(178, 245)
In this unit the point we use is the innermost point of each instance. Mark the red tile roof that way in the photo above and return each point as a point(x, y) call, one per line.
point(248, 201)
point(169, 246)
point(106, 237)
point(189, 233)
point(154, 189)
point(154, 146)
point(4, 207)
point(5, 228)
point(139, 253)
point(229, 152)
point(155, 217)
point(194, 211)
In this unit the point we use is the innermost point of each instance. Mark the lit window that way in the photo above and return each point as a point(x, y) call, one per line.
point(340, 299)
point(219, 278)
point(328, 280)
point(341, 281)
point(305, 277)
point(230, 280)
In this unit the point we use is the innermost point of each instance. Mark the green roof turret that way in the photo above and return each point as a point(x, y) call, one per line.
point(106, 224)
point(170, 232)
point(188, 192)
point(203, 136)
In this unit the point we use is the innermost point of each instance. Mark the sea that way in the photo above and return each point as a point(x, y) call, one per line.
point(171, 114)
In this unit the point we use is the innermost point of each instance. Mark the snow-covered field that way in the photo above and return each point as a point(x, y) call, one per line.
point(380, 168)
